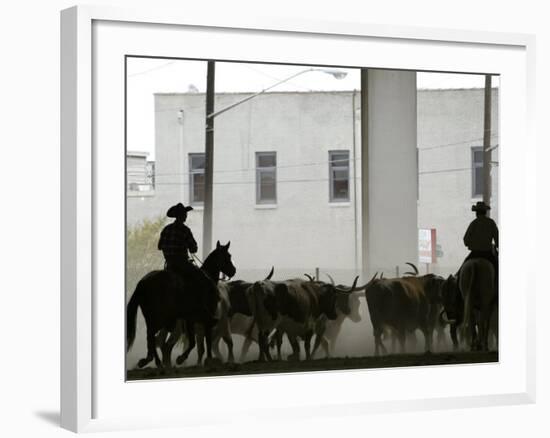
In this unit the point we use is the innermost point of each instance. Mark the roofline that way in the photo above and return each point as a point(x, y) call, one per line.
point(137, 153)
point(235, 93)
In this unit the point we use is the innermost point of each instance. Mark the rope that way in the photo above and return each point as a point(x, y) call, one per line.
point(197, 259)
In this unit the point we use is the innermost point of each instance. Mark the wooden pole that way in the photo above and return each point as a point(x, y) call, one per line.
point(364, 171)
point(487, 143)
point(209, 161)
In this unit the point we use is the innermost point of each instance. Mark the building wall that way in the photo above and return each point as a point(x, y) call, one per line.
point(304, 230)
point(450, 123)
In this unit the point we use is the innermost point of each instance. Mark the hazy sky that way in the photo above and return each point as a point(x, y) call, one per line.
point(149, 76)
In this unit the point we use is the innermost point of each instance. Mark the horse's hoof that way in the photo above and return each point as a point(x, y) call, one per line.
point(142, 363)
point(180, 360)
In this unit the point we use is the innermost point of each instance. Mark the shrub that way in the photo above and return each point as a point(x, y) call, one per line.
point(142, 255)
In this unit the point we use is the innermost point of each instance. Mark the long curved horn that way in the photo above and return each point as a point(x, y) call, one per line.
point(347, 291)
point(414, 267)
point(270, 273)
point(331, 279)
point(360, 288)
point(382, 276)
point(443, 317)
point(310, 277)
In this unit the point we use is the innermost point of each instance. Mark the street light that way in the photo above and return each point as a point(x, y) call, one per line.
point(337, 74)
point(209, 141)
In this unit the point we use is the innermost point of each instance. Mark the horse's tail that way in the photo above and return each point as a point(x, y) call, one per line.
point(131, 314)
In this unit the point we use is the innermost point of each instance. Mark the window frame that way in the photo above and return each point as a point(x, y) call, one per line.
point(475, 165)
point(192, 173)
point(259, 171)
point(331, 168)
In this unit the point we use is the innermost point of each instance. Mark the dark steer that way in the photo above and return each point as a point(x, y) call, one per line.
point(305, 307)
point(404, 305)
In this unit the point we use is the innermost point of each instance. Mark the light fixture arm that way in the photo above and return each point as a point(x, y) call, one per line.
point(336, 74)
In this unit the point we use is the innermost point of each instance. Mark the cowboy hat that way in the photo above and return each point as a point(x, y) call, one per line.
point(178, 210)
point(480, 206)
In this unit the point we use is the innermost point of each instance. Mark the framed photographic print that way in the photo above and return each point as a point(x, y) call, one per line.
point(253, 207)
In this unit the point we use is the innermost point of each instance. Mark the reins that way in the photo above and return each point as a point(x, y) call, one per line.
point(201, 264)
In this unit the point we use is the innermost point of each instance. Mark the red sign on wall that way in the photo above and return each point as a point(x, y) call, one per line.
point(426, 245)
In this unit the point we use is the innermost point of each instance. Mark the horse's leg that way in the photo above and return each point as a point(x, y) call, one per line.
point(163, 343)
point(200, 343)
point(151, 349)
point(192, 342)
point(307, 344)
point(160, 339)
point(166, 349)
point(168, 345)
point(208, 336)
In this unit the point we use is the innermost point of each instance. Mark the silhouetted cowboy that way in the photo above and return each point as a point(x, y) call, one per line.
point(177, 241)
point(481, 237)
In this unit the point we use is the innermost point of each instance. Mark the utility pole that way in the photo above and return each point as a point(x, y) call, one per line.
point(365, 170)
point(487, 143)
point(208, 161)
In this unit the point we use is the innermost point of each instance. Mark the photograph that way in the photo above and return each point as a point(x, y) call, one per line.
point(301, 218)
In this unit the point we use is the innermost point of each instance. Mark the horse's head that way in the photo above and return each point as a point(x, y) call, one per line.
point(221, 258)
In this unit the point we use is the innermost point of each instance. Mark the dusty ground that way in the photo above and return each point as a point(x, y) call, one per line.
point(394, 360)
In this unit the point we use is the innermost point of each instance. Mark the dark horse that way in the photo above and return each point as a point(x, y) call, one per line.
point(165, 297)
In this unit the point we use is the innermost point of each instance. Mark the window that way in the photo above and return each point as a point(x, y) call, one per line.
point(150, 176)
point(266, 177)
point(477, 171)
point(339, 176)
point(196, 179)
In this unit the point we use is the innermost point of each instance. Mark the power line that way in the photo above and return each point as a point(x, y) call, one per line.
point(289, 166)
point(158, 67)
point(458, 169)
point(254, 169)
point(453, 144)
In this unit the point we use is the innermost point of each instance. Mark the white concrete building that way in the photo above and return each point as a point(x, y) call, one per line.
point(288, 175)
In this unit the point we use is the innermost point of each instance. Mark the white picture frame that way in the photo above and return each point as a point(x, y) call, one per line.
point(92, 392)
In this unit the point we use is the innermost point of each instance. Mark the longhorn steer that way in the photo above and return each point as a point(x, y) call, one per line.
point(306, 307)
point(347, 306)
point(404, 305)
